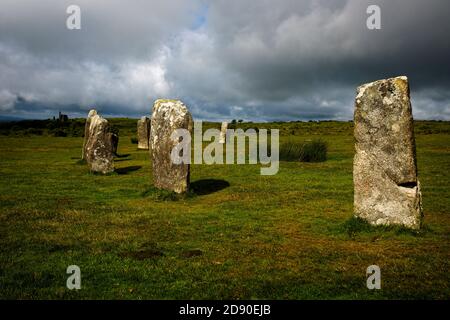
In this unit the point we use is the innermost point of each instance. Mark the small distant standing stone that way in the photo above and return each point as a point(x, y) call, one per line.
point(168, 115)
point(91, 113)
point(114, 142)
point(99, 146)
point(387, 190)
point(223, 132)
point(143, 133)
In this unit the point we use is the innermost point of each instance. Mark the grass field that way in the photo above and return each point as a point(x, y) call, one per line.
point(239, 236)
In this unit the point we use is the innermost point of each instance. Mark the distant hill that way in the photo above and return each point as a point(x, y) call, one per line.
point(9, 118)
point(127, 127)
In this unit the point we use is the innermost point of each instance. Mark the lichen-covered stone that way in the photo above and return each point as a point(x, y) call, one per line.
point(386, 188)
point(99, 146)
point(223, 132)
point(168, 116)
point(143, 133)
point(91, 113)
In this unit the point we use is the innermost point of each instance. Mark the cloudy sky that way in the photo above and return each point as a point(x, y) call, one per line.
point(246, 59)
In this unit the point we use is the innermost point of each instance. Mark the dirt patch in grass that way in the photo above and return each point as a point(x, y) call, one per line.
point(143, 254)
point(191, 253)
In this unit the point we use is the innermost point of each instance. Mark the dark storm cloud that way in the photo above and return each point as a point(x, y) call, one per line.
point(306, 50)
point(255, 60)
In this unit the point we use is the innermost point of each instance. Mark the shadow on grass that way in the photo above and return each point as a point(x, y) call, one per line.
point(197, 188)
point(354, 226)
point(208, 186)
point(81, 161)
point(122, 155)
point(126, 170)
point(166, 195)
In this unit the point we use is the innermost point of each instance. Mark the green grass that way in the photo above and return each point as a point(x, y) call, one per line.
point(309, 151)
point(238, 235)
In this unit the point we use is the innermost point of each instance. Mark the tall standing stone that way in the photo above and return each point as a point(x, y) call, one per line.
point(143, 133)
point(99, 146)
point(386, 188)
point(223, 132)
point(91, 113)
point(168, 116)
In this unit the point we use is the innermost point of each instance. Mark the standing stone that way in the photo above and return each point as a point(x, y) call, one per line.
point(223, 133)
point(91, 113)
point(387, 190)
point(99, 148)
point(143, 133)
point(168, 115)
point(114, 142)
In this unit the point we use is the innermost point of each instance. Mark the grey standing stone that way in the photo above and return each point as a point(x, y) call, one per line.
point(168, 115)
point(114, 142)
point(91, 113)
point(143, 133)
point(386, 187)
point(99, 146)
point(223, 132)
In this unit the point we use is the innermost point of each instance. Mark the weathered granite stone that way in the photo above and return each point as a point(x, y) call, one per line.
point(387, 190)
point(91, 113)
point(143, 133)
point(223, 133)
point(168, 115)
point(99, 146)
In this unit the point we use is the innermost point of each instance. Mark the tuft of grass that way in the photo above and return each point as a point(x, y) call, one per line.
point(312, 151)
point(290, 151)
